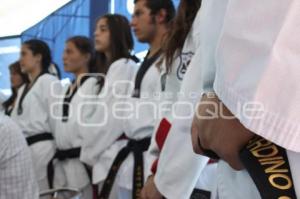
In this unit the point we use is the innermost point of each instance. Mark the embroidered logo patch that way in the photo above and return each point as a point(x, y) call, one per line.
point(185, 59)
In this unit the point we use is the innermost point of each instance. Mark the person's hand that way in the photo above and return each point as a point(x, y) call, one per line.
point(215, 128)
point(150, 191)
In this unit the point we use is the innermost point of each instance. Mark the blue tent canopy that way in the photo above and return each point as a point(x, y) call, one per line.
point(75, 18)
point(9, 52)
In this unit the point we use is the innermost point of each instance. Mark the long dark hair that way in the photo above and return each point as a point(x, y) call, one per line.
point(56, 71)
point(121, 41)
point(85, 46)
point(180, 28)
point(42, 48)
point(16, 68)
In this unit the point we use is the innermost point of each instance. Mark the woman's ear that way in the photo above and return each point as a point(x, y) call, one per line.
point(161, 16)
point(38, 58)
point(88, 57)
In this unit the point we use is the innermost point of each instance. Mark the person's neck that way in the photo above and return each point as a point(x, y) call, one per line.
point(108, 56)
point(80, 73)
point(156, 43)
point(34, 74)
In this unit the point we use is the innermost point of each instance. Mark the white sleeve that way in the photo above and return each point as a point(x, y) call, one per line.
point(152, 154)
point(2, 100)
point(17, 175)
point(258, 69)
point(98, 138)
point(178, 167)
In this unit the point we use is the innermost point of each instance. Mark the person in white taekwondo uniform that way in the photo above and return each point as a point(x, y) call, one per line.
point(17, 79)
point(3, 98)
point(258, 47)
point(101, 131)
point(190, 169)
point(33, 106)
point(170, 88)
point(150, 26)
point(54, 70)
point(65, 169)
point(17, 178)
point(150, 22)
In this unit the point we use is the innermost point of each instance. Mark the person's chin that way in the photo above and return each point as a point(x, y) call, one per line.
point(66, 69)
point(98, 47)
point(142, 40)
point(23, 69)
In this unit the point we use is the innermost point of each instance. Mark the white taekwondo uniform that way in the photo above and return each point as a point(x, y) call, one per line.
point(103, 129)
point(192, 170)
point(257, 62)
point(71, 172)
point(33, 116)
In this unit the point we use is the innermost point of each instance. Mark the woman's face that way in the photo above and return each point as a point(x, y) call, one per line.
point(73, 59)
point(28, 61)
point(15, 78)
point(102, 36)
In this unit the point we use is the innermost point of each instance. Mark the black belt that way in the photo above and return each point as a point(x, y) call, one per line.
point(199, 194)
point(137, 147)
point(268, 166)
point(38, 138)
point(62, 155)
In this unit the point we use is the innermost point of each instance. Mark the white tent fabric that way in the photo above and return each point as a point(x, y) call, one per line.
point(17, 16)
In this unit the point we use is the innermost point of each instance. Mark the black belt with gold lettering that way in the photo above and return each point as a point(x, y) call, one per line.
point(62, 155)
point(38, 138)
point(137, 147)
point(268, 166)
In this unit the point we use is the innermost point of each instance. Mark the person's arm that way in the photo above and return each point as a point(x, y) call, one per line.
point(157, 142)
point(17, 178)
point(179, 167)
point(216, 129)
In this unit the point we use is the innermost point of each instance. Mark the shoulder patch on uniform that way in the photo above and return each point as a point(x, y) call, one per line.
point(185, 60)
